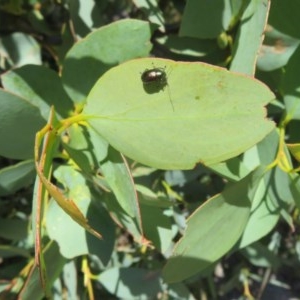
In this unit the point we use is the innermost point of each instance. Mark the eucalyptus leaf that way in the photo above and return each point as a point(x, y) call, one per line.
point(55, 262)
point(20, 120)
point(15, 177)
point(213, 229)
point(198, 14)
point(131, 283)
point(71, 237)
point(249, 37)
point(204, 113)
point(41, 87)
point(20, 49)
point(100, 50)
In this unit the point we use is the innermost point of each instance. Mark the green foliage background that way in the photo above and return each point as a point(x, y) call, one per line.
point(171, 227)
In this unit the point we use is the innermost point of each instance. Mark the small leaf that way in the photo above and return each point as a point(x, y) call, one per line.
point(205, 113)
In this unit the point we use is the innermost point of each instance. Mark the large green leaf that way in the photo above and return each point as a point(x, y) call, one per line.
point(41, 87)
point(20, 120)
point(131, 283)
point(60, 225)
point(213, 229)
point(197, 18)
point(286, 17)
point(205, 113)
point(264, 216)
point(55, 262)
point(15, 177)
point(100, 50)
point(157, 227)
point(13, 228)
point(270, 57)
point(291, 86)
point(94, 156)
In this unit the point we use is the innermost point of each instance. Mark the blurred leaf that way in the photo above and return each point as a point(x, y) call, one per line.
point(191, 47)
point(13, 229)
point(249, 37)
point(291, 86)
point(20, 120)
point(70, 279)
point(285, 18)
point(41, 87)
point(101, 50)
point(213, 229)
point(15, 177)
point(21, 49)
point(152, 11)
point(131, 283)
point(13, 6)
point(276, 50)
point(60, 225)
point(295, 150)
point(168, 129)
point(179, 291)
point(69, 206)
point(82, 17)
point(260, 256)
point(12, 251)
point(197, 18)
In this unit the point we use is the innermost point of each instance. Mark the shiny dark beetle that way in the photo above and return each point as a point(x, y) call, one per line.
point(155, 76)
point(154, 80)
